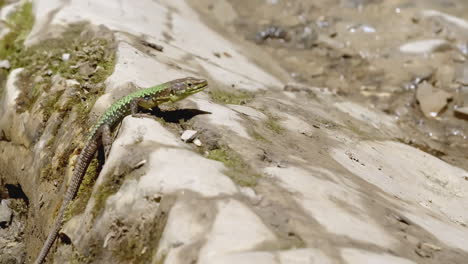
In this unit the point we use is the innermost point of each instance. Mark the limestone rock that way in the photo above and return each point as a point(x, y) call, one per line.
point(431, 100)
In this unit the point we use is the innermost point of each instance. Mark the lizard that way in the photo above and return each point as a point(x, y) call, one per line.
point(100, 135)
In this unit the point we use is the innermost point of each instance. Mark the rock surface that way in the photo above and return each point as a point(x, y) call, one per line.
point(424, 46)
point(431, 101)
point(5, 214)
point(308, 145)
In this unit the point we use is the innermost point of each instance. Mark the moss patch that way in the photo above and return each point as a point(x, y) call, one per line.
point(49, 104)
point(91, 60)
point(57, 170)
point(237, 97)
point(273, 124)
point(138, 242)
point(46, 171)
point(239, 171)
point(81, 53)
point(257, 136)
point(92, 248)
point(20, 24)
point(106, 189)
point(84, 192)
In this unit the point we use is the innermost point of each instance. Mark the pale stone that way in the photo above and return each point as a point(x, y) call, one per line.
point(222, 116)
point(460, 22)
point(5, 64)
point(197, 142)
point(462, 111)
point(236, 228)
point(5, 213)
point(185, 40)
point(303, 256)
point(188, 135)
point(185, 227)
point(295, 124)
point(373, 117)
point(66, 56)
point(416, 177)
point(314, 195)
point(358, 256)
point(431, 100)
point(424, 46)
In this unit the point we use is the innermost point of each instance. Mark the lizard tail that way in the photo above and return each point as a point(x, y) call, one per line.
point(84, 159)
point(51, 237)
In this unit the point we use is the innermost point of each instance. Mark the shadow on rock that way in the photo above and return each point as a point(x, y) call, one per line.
point(174, 116)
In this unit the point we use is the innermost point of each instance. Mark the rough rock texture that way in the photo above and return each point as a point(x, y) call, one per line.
point(312, 146)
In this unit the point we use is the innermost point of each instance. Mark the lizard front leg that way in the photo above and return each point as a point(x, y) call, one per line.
point(134, 109)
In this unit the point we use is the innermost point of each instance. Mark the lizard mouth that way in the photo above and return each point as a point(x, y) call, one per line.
point(198, 86)
point(198, 89)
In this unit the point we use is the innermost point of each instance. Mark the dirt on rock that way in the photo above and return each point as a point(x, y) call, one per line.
point(377, 53)
point(353, 150)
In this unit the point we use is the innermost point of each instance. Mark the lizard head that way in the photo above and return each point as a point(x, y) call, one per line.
point(181, 88)
point(174, 91)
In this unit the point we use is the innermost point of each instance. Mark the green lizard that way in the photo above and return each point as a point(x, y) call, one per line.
point(100, 135)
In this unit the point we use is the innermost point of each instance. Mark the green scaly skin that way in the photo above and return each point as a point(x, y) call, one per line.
point(100, 135)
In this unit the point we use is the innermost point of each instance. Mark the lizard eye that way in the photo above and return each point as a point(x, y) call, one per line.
point(147, 97)
point(189, 84)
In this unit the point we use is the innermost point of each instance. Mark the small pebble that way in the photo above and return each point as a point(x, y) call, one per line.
point(424, 46)
point(71, 82)
point(65, 56)
point(140, 164)
point(431, 100)
point(5, 213)
point(5, 64)
point(197, 142)
point(461, 112)
point(188, 135)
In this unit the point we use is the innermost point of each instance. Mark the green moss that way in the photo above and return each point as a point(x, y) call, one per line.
point(139, 242)
point(237, 97)
point(51, 142)
point(83, 107)
point(84, 192)
point(49, 104)
point(272, 124)
point(46, 172)
point(257, 136)
point(20, 24)
point(229, 158)
point(92, 248)
point(239, 171)
point(54, 172)
point(80, 259)
point(130, 247)
point(91, 62)
point(106, 189)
